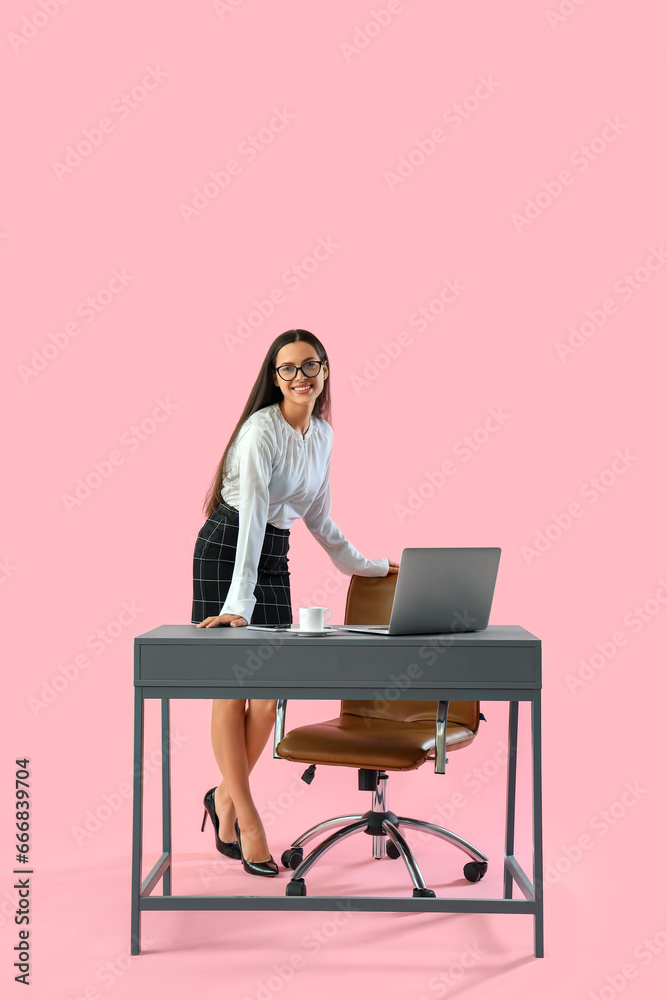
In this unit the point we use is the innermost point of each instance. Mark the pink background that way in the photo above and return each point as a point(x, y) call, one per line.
point(533, 256)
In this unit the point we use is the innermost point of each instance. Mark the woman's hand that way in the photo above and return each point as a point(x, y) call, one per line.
point(393, 567)
point(231, 620)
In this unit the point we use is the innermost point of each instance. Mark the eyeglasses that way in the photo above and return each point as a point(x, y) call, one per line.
point(310, 370)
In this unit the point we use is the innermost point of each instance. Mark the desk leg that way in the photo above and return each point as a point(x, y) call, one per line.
point(166, 796)
point(137, 820)
point(510, 814)
point(538, 876)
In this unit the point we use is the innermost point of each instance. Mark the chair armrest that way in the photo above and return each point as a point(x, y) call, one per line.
point(279, 728)
point(441, 737)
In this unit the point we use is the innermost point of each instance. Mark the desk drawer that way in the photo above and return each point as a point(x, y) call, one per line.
point(337, 670)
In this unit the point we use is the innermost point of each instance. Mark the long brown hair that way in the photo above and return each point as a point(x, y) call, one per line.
point(263, 393)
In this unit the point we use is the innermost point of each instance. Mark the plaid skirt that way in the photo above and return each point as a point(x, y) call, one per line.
point(214, 557)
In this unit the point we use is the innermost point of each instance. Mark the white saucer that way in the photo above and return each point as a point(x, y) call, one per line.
point(296, 631)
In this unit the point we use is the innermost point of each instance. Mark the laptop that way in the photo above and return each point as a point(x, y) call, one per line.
point(440, 590)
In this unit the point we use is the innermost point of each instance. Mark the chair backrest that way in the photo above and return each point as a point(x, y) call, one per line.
point(369, 601)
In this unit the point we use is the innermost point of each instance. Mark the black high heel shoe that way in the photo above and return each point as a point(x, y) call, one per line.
point(268, 868)
point(229, 850)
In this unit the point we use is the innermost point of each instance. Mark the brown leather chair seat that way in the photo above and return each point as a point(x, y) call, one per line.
point(356, 741)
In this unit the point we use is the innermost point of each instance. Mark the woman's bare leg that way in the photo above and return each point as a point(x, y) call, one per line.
point(259, 719)
point(238, 737)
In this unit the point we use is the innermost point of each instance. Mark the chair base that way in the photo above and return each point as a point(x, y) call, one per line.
point(381, 824)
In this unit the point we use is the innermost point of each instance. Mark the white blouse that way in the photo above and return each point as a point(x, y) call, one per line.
point(275, 475)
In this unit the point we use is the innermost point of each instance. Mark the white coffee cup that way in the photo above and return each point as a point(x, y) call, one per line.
point(312, 619)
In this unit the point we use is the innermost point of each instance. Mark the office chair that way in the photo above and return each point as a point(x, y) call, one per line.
point(376, 737)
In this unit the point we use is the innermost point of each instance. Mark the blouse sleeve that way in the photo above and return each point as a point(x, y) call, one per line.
point(343, 555)
point(254, 470)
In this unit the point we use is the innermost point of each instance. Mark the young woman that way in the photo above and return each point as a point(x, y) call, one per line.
point(275, 469)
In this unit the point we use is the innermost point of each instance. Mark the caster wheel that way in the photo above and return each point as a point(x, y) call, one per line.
point(423, 894)
point(475, 870)
point(296, 887)
point(392, 850)
point(292, 857)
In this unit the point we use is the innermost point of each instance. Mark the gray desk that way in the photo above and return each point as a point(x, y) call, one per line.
point(502, 663)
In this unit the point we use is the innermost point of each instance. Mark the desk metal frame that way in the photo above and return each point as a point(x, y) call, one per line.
point(501, 663)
